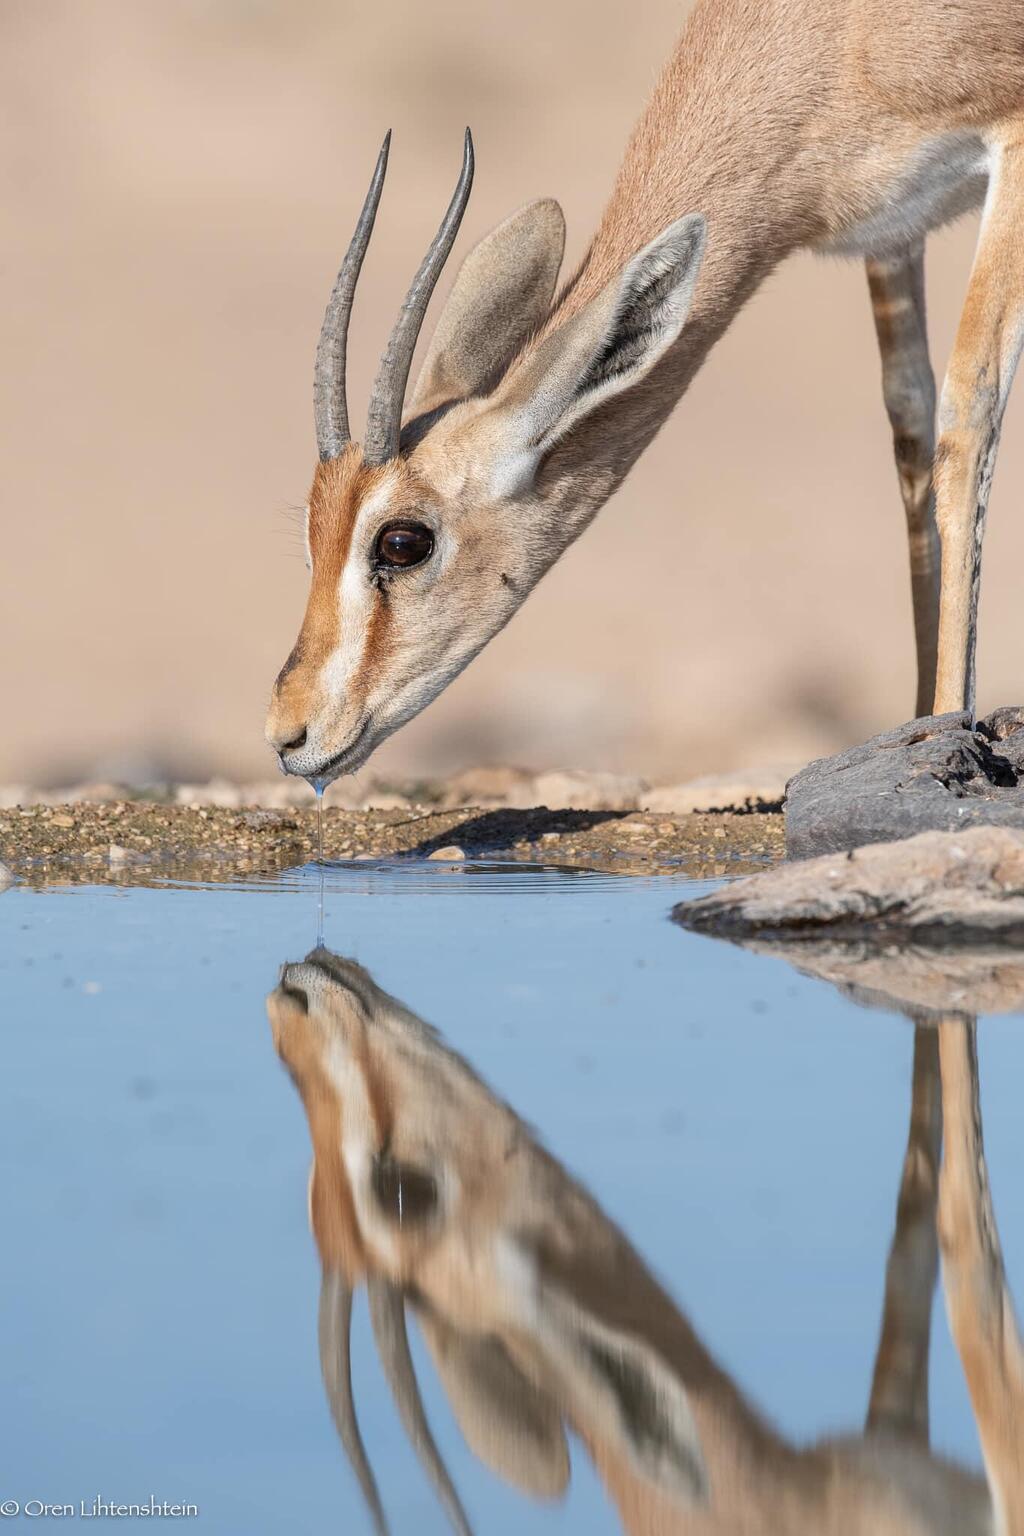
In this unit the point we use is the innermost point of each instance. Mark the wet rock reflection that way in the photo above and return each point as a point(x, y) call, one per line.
point(922, 981)
point(543, 1321)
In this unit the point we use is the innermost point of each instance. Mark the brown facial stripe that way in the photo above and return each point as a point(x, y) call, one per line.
point(332, 1202)
point(339, 489)
point(332, 1207)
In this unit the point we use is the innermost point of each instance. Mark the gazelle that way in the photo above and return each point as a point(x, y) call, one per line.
point(540, 1317)
point(844, 126)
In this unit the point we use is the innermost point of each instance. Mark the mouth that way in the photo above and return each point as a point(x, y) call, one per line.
point(294, 978)
point(295, 994)
point(347, 759)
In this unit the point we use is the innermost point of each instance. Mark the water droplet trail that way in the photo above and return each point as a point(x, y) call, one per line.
point(318, 785)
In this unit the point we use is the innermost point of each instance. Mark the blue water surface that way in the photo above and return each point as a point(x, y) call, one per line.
point(742, 1124)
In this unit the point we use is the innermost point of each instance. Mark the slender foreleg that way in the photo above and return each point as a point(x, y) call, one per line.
point(974, 396)
point(908, 385)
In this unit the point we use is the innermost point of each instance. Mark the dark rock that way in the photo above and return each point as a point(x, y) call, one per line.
point(937, 888)
point(932, 774)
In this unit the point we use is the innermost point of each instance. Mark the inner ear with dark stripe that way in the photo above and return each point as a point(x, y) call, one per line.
point(605, 348)
point(652, 306)
point(612, 1384)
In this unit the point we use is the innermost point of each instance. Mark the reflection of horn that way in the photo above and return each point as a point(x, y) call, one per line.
point(336, 1367)
point(387, 1314)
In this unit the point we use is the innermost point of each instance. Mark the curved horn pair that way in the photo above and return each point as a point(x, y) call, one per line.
point(387, 1315)
point(335, 1326)
point(384, 418)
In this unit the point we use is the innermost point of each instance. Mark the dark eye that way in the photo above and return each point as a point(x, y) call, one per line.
point(403, 1192)
point(404, 544)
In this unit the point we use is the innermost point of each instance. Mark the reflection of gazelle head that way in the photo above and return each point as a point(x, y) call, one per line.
point(425, 539)
point(430, 1189)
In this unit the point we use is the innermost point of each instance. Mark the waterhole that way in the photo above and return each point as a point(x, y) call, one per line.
point(599, 1161)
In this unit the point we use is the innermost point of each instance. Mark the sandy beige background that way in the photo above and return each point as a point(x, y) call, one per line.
point(179, 180)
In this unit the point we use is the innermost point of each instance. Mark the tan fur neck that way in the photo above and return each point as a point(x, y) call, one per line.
point(706, 144)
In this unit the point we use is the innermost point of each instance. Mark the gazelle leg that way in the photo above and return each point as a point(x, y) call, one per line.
point(978, 1299)
point(974, 396)
point(899, 1387)
point(908, 385)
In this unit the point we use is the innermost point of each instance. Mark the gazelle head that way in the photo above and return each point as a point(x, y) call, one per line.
point(426, 538)
point(432, 1191)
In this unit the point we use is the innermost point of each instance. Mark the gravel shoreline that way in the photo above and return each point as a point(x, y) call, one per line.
point(148, 842)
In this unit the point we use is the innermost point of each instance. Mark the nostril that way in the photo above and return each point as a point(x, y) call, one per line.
point(299, 741)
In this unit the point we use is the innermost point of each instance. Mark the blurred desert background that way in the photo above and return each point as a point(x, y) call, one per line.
point(180, 179)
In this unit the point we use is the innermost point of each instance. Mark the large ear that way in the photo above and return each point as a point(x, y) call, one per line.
point(614, 1386)
point(605, 348)
point(502, 292)
point(508, 1422)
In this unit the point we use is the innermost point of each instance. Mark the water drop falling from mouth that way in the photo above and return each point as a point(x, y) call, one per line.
point(318, 786)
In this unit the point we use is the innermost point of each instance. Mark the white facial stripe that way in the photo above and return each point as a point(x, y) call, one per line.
point(370, 510)
point(355, 599)
point(358, 1143)
point(426, 642)
point(416, 655)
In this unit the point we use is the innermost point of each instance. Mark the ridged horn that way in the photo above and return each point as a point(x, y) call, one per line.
point(387, 1314)
point(330, 408)
point(384, 417)
point(335, 1323)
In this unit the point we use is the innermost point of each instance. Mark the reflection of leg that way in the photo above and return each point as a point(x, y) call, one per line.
point(978, 1301)
point(897, 301)
point(899, 1387)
